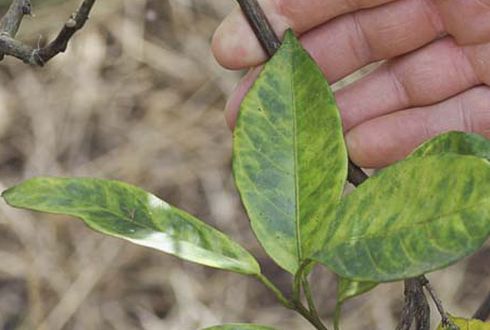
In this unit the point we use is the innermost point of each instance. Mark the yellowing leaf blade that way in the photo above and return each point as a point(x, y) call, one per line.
point(414, 217)
point(124, 211)
point(460, 143)
point(290, 160)
point(465, 324)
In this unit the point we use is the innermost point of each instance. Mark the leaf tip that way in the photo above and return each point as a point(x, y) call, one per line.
point(6, 194)
point(289, 37)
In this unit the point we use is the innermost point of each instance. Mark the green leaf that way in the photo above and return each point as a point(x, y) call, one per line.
point(121, 210)
point(349, 289)
point(290, 160)
point(414, 217)
point(239, 327)
point(465, 324)
point(456, 143)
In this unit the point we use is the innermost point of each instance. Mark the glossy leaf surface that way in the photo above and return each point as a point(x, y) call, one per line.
point(239, 327)
point(121, 210)
point(455, 142)
point(465, 324)
point(290, 160)
point(414, 217)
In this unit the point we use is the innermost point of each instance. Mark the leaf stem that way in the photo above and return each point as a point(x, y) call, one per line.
point(446, 321)
point(313, 319)
point(301, 282)
point(279, 295)
point(297, 280)
point(336, 316)
point(309, 298)
point(293, 305)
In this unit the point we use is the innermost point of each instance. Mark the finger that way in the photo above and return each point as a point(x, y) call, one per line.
point(233, 104)
point(384, 140)
point(352, 41)
point(235, 45)
point(355, 40)
point(467, 21)
point(429, 75)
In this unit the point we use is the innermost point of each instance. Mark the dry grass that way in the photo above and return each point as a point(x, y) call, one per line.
point(138, 97)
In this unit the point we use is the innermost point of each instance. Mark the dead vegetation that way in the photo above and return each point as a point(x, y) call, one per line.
point(139, 98)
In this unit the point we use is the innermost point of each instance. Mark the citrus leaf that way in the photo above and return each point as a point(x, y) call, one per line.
point(349, 289)
point(239, 327)
point(414, 217)
point(124, 211)
point(465, 324)
point(290, 160)
point(457, 143)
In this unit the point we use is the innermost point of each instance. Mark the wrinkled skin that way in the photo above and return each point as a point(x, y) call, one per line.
point(436, 76)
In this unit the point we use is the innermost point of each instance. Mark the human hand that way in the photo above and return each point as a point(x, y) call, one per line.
point(436, 77)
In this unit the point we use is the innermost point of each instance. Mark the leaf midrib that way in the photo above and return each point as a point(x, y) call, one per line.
point(123, 217)
point(138, 224)
point(295, 163)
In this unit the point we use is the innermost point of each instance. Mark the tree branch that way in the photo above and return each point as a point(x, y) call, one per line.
point(355, 174)
point(483, 312)
point(446, 321)
point(416, 308)
point(10, 23)
point(260, 25)
point(74, 23)
point(271, 43)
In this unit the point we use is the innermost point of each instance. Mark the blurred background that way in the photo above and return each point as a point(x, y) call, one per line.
point(138, 97)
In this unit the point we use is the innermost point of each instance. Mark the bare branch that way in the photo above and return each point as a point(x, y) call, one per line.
point(10, 22)
point(38, 56)
point(260, 25)
point(355, 174)
point(416, 308)
point(74, 23)
point(13, 47)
